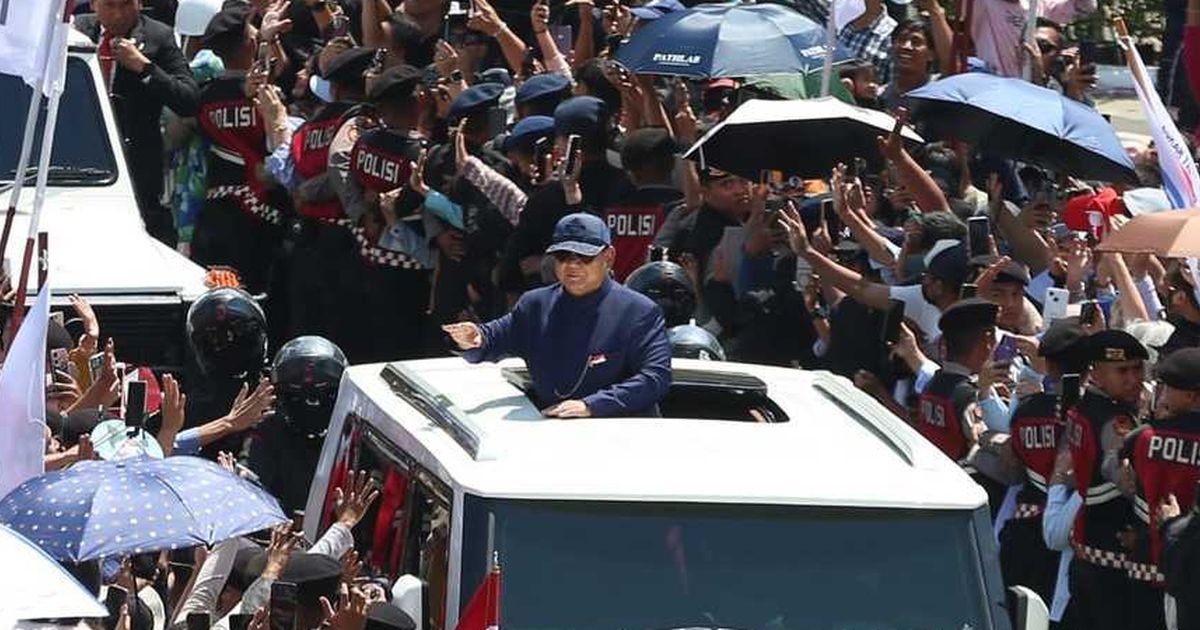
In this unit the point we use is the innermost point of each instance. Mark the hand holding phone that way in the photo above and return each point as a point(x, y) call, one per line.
point(135, 406)
point(573, 157)
point(978, 231)
point(892, 321)
point(282, 610)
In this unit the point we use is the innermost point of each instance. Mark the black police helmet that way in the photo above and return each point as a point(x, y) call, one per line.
point(669, 285)
point(306, 373)
point(228, 332)
point(690, 341)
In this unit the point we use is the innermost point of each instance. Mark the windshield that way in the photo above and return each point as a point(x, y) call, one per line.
point(629, 566)
point(82, 154)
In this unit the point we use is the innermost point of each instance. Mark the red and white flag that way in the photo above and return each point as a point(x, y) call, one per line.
point(23, 399)
point(483, 611)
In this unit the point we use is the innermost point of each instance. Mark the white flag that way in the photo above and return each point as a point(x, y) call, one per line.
point(23, 398)
point(26, 32)
point(843, 11)
point(56, 60)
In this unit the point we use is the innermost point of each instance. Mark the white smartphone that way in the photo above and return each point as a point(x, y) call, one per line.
point(1055, 306)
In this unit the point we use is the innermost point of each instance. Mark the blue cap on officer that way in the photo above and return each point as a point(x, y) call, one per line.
point(541, 85)
point(580, 233)
point(476, 99)
point(583, 115)
point(527, 131)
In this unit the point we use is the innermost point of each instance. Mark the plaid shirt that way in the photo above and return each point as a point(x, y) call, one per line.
point(873, 43)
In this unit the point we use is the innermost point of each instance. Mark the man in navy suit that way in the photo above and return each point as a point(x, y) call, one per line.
point(593, 347)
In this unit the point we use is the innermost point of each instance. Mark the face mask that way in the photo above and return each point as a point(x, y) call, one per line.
point(321, 88)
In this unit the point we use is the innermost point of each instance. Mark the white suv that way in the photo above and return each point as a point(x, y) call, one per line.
point(763, 498)
point(98, 245)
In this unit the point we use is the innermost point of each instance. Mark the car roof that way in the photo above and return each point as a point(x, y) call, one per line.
point(839, 448)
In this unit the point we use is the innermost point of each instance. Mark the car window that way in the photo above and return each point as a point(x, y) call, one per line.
point(82, 153)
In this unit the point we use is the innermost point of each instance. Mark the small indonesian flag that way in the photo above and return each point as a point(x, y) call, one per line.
point(483, 611)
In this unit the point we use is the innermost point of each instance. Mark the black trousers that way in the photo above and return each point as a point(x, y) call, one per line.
point(227, 235)
point(1025, 560)
point(1100, 597)
point(147, 175)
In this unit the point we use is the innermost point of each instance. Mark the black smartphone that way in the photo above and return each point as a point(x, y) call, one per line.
point(115, 598)
point(967, 290)
point(1089, 310)
point(978, 230)
point(198, 621)
point(283, 605)
point(378, 61)
point(1070, 392)
point(892, 321)
point(135, 405)
point(833, 223)
point(297, 520)
point(455, 22)
point(856, 168)
point(574, 146)
point(239, 621)
point(1087, 52)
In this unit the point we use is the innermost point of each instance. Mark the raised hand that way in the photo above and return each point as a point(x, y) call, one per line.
point(351, 506)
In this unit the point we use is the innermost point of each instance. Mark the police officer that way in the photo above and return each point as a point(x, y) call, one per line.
point(1180, 556)
point(306, 373)
point(948, 412)
point(669, 286)
point(468, 251)
point(323, 247)
point(594, 347)
point(1165, 456)
point(648, 157)
point(1036, 428)
point(1095, 431)
point(227, 332)
point(389, 282)
point(240, 222)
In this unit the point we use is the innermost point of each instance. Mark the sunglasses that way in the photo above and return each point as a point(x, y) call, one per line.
point(571, 257)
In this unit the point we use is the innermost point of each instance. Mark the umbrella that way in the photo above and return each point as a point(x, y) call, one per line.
point(785, 86)
point(1171, 233)
point(1016, 119)
point(97, 508)
point(34, 586)
point(730, 39)
point(803, 137)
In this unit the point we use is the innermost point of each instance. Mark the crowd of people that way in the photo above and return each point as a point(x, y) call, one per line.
point(376, 174)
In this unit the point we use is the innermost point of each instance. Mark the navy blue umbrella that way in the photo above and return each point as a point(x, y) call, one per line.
point(728, 40)
point(1011, 118)
point(100, 509)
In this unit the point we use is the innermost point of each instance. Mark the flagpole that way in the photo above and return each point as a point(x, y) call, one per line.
point(830, 45)
point(1028, 37)
point(39, 195)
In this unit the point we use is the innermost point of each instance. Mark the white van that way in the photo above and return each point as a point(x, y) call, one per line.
point(764, 498)
point(98, 246)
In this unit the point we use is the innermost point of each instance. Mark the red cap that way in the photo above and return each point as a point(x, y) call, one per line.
point(716, 84)
point(1075, 212)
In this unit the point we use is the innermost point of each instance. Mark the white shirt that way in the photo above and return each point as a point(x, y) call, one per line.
point(917, 309)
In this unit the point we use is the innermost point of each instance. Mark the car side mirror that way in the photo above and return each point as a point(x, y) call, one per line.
point(1027, 609)
point(410, 594)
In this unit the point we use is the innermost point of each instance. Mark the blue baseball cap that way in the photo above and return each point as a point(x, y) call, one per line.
point(656, 8)
point(527, 131)
point(541, 85)
point(580, 233)
point(476, 99)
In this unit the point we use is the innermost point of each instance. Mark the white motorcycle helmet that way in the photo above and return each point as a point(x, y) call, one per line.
point(192, 16)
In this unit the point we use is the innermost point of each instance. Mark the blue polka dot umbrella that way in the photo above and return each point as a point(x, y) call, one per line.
point(98, 509)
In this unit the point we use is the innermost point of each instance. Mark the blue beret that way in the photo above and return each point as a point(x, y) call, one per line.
point(541, 85)
point(527, 131)
point(581, 115)
point(475, 99)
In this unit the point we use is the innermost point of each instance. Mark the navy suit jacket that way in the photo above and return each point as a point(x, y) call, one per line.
point(608, 349)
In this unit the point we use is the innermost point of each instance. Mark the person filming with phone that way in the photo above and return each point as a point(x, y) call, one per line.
point(593, 347)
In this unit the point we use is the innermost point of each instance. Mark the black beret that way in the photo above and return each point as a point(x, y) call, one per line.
point(583, 115)
point(315, 575)
point(1180, 370)
point(397, 81)
point(348, 66)
point(477, 99)
point(1065, 339)
point(647, 143)
point(248, 565)
point(384, 616)
point(228, 24)
point(1115, 345)
point(947, 261)
point(968, 314)
point(1013, 271)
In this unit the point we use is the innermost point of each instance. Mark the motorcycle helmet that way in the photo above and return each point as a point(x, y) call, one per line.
point(669, 285)
point(306, 373)
point(689, 341)
point(227, 331)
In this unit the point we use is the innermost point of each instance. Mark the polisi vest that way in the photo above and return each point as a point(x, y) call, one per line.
point(382, 159)
point(1104, 512)
point(1166, 456)
point(238, 142)
point(633, 229)
point(940, 411)
point(1035, 431)
point(310, 153)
